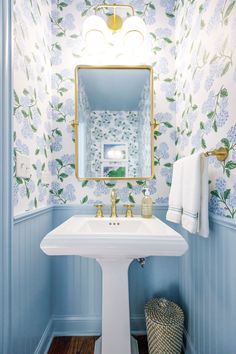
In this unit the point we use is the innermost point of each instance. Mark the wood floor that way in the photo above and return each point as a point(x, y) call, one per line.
point(85, 345)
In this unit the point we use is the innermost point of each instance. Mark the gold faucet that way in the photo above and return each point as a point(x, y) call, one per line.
point(113, 204)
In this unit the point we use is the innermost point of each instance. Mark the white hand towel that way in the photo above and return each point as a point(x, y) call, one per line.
point(195, 194)
point(174, 212)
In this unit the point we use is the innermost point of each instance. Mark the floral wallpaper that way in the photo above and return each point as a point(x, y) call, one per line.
point(47, 46)
point(84, 138)
point(144, 131)
point(130, 127)
point(191, 46)
point(205, 92)
point(32, 89)
point(68, 50)
point(117, 126)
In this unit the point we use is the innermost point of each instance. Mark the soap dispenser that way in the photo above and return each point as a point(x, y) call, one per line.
point(146, 206)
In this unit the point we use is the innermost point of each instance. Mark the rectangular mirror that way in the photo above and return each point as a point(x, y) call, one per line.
point(114, 122)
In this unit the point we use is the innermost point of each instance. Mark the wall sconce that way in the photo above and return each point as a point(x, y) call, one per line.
point(96, 32)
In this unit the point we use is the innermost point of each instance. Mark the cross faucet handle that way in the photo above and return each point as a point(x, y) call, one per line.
point(129, 211)
point(99, 212)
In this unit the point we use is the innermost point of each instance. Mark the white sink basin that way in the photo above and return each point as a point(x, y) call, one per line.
point(120, 237)
point(114, 242)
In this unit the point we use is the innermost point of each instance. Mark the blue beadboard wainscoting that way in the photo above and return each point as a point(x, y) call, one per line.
point(207, 289)
point(62, 295)
point(31, 284)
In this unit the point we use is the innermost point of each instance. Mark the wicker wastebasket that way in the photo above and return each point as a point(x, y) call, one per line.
point(165, 325)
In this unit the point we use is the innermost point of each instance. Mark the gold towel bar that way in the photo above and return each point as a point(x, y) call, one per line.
point(221, 153)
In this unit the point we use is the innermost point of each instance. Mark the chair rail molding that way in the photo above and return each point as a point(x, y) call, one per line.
point(89, 210)
point(6, 224)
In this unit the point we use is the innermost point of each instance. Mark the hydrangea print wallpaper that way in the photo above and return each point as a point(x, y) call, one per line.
point(64, 50)
point(205, 93)
point(109, 125)
point(69, 51)
point(32, 91)
point(194, 81)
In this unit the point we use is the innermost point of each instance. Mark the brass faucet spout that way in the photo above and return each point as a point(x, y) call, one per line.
point(113, 204)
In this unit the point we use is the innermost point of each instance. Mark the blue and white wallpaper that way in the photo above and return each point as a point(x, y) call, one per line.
point(117, 126)
point(33, 131)
point(205, 93)
point(194, 77)
point(69, 52)
point(62, 48)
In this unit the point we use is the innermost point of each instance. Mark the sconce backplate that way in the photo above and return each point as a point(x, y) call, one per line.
point(114, 22)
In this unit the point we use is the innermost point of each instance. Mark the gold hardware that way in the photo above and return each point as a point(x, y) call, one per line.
point(221, 153)
point(113, 204)
point(74, 124)
point(155, 124)
point(114, 21)
point(114, 6)
point(99, 212)
point(129, 211)
point(152, 120)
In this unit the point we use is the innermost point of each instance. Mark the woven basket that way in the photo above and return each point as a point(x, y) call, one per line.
point(165, 325)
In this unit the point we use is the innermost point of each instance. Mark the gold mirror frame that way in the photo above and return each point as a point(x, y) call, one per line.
point(75, 123)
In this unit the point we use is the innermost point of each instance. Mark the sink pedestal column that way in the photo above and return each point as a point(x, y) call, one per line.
point(116, 337)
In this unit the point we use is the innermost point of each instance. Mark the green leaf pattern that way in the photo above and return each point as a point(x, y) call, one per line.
point(194, 87)
point(206, 85)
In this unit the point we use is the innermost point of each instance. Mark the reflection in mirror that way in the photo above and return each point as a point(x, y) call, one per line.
point(114, 112)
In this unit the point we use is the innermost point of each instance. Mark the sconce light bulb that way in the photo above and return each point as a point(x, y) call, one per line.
point(95, 33)
point(134, 32)
point(133, 40)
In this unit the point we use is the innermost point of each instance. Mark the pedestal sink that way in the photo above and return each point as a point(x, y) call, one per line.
point(114, 243)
